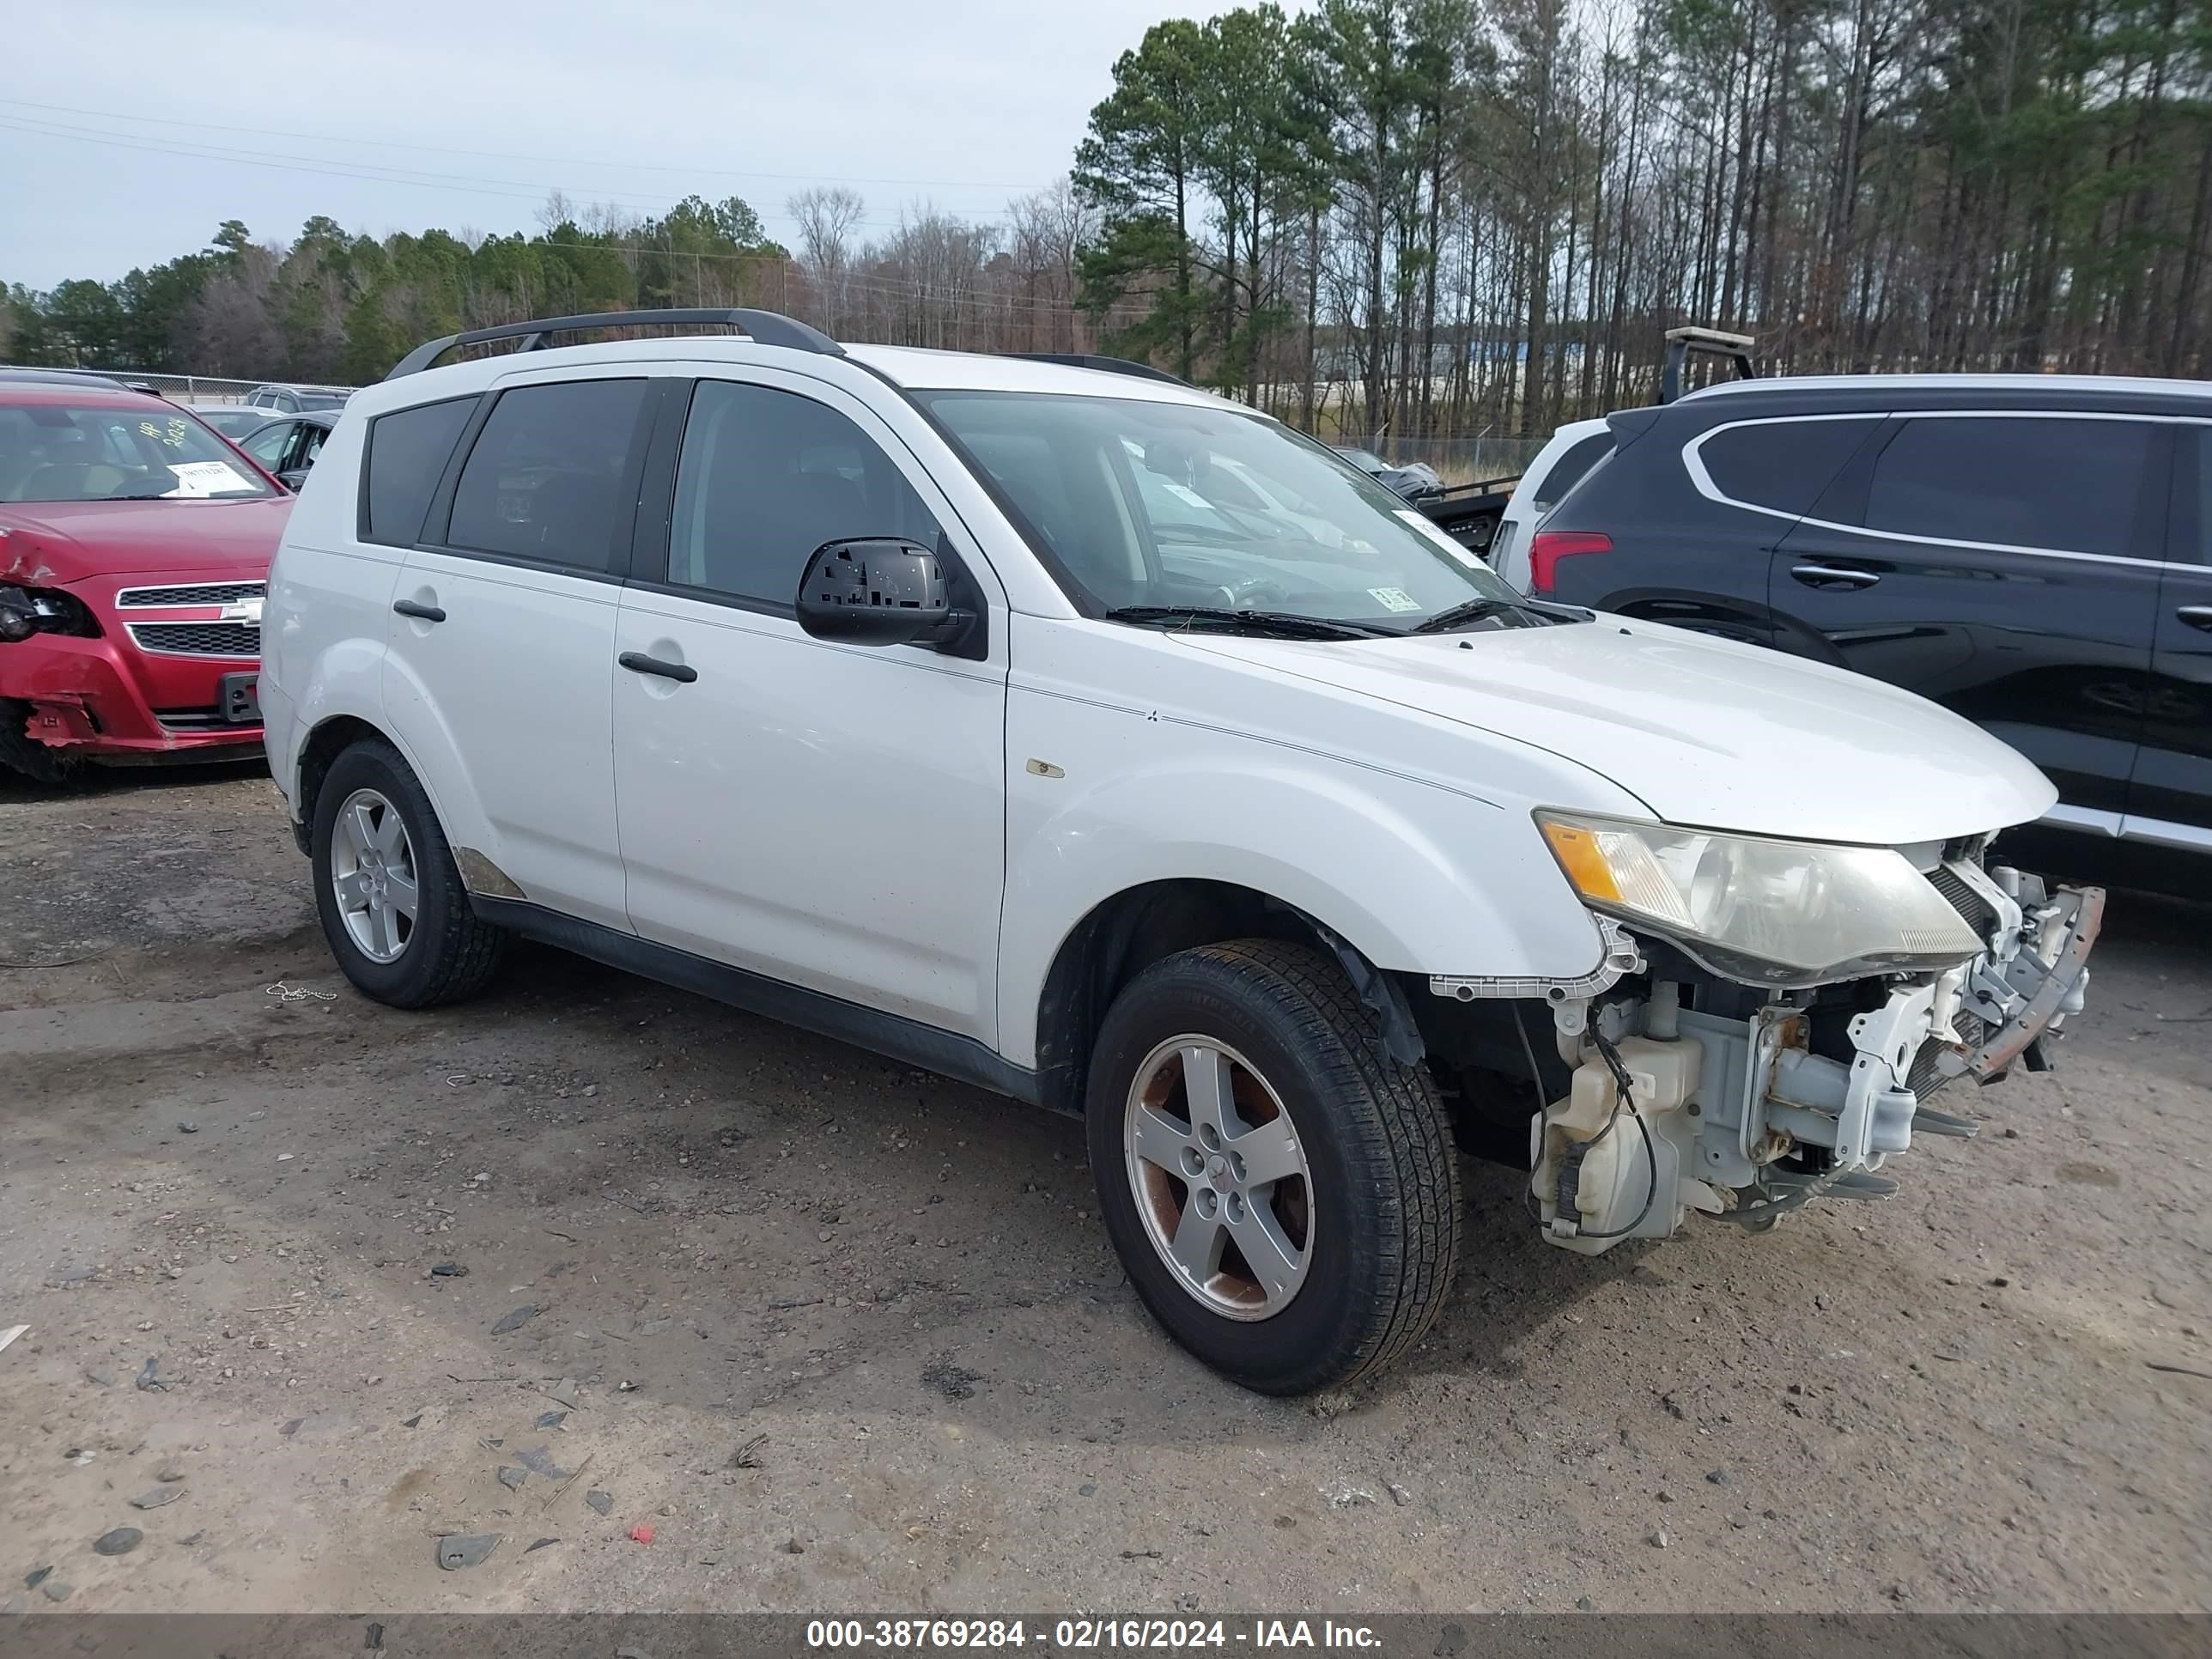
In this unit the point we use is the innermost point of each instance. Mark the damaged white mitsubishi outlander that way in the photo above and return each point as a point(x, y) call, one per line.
point(1056, 726)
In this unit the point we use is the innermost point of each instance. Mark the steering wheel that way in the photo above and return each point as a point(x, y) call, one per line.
point(1254, 592)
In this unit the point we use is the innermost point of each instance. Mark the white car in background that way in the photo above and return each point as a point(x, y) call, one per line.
point(922, 699)
point(1560, 465)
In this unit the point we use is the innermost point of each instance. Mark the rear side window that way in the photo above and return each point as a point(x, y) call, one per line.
point(2068, 484)
point(1781, 465)
point(1573, 467)
point(408, 450)
point(546, 480)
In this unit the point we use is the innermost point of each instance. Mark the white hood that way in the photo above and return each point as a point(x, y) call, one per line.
point(1704, 731)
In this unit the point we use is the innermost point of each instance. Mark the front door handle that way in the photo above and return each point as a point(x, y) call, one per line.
point(429, 613)
point(2198, 617)
point(1829, 575)
point(638, 663)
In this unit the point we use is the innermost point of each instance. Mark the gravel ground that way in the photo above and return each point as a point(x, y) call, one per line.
point(317, 1283)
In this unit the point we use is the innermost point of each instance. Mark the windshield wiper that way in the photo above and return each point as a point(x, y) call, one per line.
point(1257, 621)
point(1474, 611)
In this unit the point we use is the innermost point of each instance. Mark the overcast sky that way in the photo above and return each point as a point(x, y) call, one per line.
point(130, 130)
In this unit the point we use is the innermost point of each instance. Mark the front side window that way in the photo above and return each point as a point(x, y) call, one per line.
point(1138, 503)
point(2062, 483)
point(544, 481)
point(767, 476)
point(267, 446)
point(68, 452)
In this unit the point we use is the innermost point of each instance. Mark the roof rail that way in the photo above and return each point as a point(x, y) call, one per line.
point(1104, 365)
point(762, 327)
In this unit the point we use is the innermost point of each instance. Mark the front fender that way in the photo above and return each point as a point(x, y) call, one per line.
point(1417, 878)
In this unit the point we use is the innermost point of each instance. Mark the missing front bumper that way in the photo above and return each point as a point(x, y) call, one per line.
point(1772, 1117)
point(2035, 992)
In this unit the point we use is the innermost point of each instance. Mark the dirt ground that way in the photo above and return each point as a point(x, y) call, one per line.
point(847, 1338)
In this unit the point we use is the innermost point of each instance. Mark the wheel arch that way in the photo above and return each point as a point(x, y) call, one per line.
point(317, 752)
point(1127, 932)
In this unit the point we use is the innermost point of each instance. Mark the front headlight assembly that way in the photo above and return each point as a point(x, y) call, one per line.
point(1781, 912)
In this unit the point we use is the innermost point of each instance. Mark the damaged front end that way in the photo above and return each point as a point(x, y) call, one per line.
point(1696, 1078)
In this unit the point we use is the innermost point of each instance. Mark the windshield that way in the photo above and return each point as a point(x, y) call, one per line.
point(1134, 503)
point(116, 453)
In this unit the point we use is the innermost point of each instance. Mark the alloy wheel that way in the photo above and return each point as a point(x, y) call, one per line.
point(1220, 1178)
point(373, 875)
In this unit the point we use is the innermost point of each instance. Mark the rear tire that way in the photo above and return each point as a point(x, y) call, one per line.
point(1340, 1263)
point(376, 848)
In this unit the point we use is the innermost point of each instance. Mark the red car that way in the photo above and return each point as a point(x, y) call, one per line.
point(133, 555)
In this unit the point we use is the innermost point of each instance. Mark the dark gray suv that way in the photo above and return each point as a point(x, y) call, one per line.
point(2032, 551)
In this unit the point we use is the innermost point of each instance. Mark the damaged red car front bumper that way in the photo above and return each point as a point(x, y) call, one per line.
point(170, 675)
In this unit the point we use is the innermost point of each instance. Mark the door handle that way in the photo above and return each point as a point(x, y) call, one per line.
point(2198, 617)
point(638, 663)
point(1828, 575)
point(429, 613)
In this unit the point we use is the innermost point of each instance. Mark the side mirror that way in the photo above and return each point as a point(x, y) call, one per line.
point(293, 477)
point(878, 590)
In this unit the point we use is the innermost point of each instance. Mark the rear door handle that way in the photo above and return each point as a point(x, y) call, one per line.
point(2197, 615)
point(638, 663)
point(1828, 575)
point(429, 613)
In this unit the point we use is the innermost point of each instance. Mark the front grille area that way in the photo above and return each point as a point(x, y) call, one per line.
point(216, 639)
point(202, 593)
point(196, 719)
point(1963, 899)
point(1925, 1079)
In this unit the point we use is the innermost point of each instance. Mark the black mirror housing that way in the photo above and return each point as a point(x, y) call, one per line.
point(876, 591)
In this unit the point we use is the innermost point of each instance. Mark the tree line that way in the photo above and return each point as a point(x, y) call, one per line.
point(1418, 217)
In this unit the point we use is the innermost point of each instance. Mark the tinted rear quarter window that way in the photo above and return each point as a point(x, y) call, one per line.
point(1782, 465)
point(408, 450)
point(545, 480)
point(2062, 483)
point(1573, 467)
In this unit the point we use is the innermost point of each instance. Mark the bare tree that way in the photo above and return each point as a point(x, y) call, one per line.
point(827, 216)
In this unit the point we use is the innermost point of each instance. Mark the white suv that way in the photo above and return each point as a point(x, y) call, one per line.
point(965, 708)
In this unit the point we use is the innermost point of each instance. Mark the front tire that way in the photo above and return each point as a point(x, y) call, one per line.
point(1284, 1195)
point(20, 752)
point(387, 891)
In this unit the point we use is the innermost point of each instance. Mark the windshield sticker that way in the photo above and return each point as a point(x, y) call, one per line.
point(1188, 497)
point(198, 479)
point(1393, 599)
point(1428, 529)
